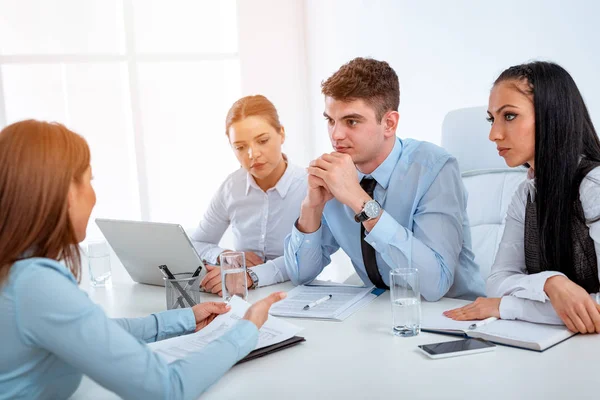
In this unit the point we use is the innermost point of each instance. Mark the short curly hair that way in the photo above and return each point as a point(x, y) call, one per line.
point(372, 81)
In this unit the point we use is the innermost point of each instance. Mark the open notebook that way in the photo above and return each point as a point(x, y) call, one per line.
point(521, 334)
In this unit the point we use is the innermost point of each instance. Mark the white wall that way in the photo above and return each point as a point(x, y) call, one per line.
point(448, 53)
point(273, 63)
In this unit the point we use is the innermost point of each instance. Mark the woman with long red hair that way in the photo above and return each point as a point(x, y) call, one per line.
point(52, 333)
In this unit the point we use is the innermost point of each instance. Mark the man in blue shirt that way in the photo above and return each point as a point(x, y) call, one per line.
point(388, 203)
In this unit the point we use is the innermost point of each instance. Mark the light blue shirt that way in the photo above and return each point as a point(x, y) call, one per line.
point(424, 219)
point(51, 334)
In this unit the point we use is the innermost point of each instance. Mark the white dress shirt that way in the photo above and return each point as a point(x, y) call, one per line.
point(523, 295)
point(260, 220)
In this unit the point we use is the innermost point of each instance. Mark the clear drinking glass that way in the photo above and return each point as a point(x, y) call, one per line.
point(233, 275)
point(98, 255)
point(406, 302)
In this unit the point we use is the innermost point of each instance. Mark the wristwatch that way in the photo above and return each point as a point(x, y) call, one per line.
point(370, 210)
point(254, 278)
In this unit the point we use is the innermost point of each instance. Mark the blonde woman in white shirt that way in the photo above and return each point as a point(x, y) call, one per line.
point(260, 201)
point(547, 266)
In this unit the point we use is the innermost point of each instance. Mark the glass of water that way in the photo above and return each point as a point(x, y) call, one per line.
point(406, 301)
point(98, 255)
point(233, 275)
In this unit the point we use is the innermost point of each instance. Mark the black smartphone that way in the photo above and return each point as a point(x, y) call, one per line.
point(457, 348)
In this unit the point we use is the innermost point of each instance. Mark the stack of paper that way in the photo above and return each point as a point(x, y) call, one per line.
point(272, 332)
point(344, 301)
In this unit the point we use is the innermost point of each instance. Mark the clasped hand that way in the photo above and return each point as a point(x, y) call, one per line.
point(334, 175)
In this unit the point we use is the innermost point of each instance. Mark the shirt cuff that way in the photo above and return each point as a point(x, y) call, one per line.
point(299, 239)
point(510, 307)
point(244, 336)
point(385, 231)
point(174, 322)
point(267, 273)
point(532, 287)
point(212, 255)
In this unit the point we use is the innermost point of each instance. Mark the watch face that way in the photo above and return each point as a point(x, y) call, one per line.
point(372, 209)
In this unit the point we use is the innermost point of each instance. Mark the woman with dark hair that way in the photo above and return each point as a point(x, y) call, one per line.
point(51, 332)
point(550, 249)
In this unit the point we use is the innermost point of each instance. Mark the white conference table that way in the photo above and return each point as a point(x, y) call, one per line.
point(360, 359)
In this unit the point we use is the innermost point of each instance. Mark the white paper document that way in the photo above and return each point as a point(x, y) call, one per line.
point(273, 331)
point(344, 301)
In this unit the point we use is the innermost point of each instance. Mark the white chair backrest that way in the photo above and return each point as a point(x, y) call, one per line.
point(489, 182)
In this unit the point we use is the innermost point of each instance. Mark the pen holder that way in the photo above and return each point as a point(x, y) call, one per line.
point(181, 292)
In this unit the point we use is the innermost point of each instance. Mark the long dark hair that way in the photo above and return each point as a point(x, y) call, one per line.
point(564, 133)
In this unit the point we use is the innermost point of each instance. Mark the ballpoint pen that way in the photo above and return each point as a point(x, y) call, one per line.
point(187, 285)
point(482, 323)
point(167, 274)
point(317, 302)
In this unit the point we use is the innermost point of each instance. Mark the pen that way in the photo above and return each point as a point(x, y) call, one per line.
point(186, 287)
point(197, 271)
point(314, 303)
point(482, 323)
point(167, 274)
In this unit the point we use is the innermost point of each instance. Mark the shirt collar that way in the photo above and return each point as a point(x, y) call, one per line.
point(383, 173)
point(282, 186)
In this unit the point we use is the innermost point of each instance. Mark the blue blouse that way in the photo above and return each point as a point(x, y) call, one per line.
point(51, 334)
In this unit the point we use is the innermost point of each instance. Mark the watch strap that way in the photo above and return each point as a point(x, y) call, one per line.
point(254, 278)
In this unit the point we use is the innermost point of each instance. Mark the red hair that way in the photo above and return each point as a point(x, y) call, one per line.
point(38, 163)
point(252, 106)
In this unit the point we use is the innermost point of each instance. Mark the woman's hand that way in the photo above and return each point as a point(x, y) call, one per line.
point(573, 305)
point(206, 312)
point(259, 311)
point(253, 259)
point(482, 308)
point(212, 280)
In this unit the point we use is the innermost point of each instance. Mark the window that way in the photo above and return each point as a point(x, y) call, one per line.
point(147, 82)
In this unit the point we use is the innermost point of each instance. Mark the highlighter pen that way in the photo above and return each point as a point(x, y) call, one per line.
point(315, 303)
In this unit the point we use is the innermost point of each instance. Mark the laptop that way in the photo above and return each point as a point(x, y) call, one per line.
point(143, 246)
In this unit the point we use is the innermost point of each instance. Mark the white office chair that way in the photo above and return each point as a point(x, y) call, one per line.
point(489, 182)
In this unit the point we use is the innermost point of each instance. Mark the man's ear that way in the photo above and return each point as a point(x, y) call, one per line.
point(390, 119)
